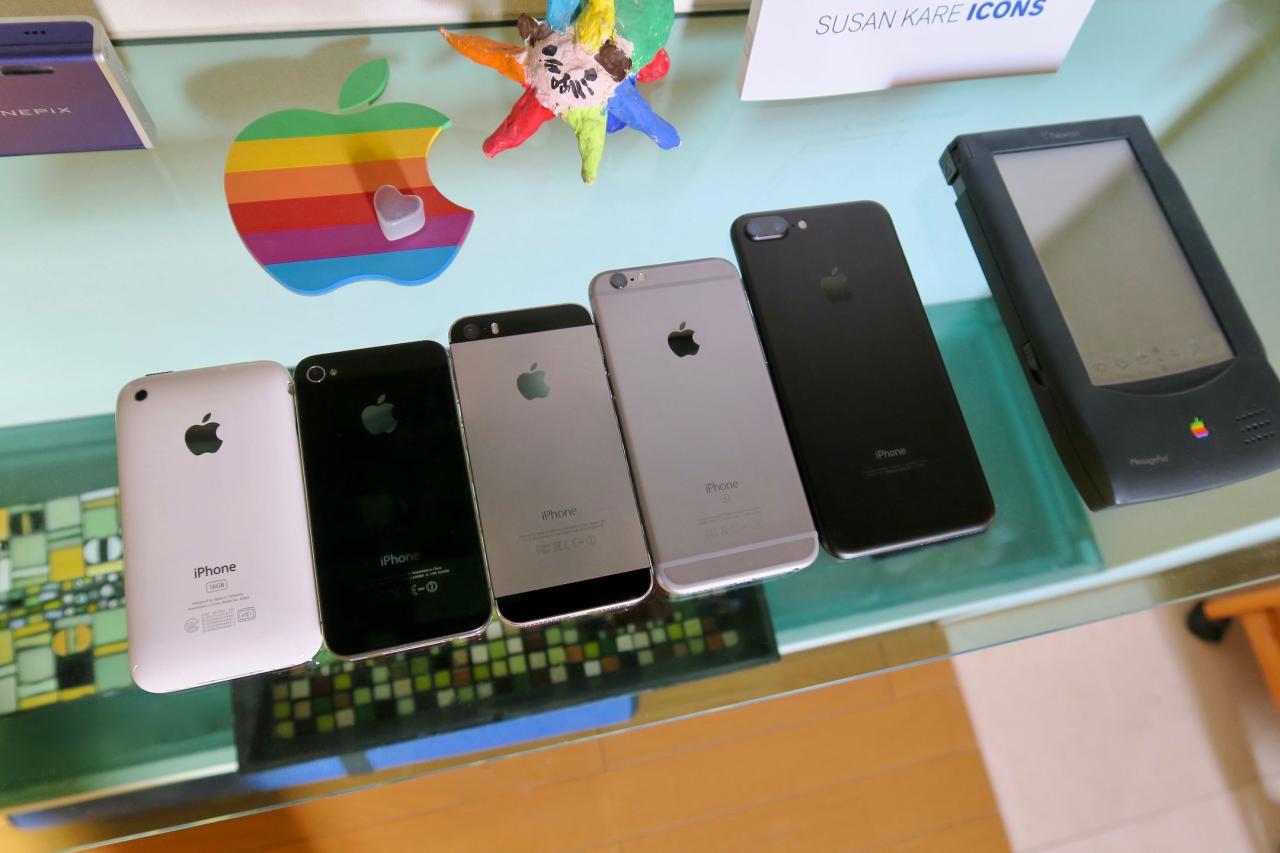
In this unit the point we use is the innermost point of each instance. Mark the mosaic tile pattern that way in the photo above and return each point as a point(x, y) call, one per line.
point(342, 706)
point(62, 622)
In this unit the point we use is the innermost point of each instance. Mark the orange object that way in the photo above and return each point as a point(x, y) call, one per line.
point(486, 51)
point(1258, 611)
point(315, 181)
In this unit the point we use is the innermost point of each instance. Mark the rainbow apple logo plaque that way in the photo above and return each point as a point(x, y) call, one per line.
point(301, 184)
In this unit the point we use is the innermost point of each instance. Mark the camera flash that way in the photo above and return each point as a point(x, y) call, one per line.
point(493, 328)
point(802, 224)
point(333, 371)
point(640, 276)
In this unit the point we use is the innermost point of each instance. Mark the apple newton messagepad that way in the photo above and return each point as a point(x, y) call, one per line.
point(1145, 366)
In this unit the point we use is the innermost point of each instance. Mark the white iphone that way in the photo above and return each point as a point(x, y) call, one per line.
point(218, 570)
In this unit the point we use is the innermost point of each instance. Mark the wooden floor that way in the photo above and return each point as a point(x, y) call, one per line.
point(884, 763)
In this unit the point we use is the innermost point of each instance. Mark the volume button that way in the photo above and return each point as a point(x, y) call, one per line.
point(1033, 364)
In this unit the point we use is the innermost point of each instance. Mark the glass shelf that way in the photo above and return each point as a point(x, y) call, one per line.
point(144, 272)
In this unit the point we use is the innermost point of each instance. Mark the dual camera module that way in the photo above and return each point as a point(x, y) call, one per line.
point(768, 227)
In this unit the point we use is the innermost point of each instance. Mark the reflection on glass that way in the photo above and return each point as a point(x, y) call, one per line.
point(1130, 299)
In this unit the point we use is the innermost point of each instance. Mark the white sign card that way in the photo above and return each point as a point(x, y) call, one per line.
point(809, 48)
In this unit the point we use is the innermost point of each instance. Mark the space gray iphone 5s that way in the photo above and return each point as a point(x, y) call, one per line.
point(719, 491)
point(883, 448)
point(397, 549)
point(218, 572)
point(558, 514)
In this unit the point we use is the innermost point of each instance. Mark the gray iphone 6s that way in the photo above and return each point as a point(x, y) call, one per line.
point(719, 489)
point(558, 515)
point(217, 570)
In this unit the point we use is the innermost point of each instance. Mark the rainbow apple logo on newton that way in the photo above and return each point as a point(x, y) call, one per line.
point(301, 188)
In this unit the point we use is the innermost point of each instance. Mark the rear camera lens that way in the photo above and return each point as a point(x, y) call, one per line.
point(315, 373)
point(471, 331)
point(141, 395)
point(618, 280)
point(767, 228)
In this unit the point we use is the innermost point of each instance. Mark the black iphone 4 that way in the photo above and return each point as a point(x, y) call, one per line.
point(397, 545)
point(884, 452)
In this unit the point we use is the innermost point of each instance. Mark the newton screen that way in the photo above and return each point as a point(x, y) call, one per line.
point(1124, 286)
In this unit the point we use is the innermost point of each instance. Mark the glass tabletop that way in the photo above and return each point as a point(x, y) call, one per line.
point(119, 264)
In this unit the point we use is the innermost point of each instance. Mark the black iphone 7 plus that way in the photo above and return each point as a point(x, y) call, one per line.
point(397, 545)
point(884, 452)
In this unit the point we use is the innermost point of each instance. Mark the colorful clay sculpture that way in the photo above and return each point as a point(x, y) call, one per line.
point(323, 199)
point(582, 64)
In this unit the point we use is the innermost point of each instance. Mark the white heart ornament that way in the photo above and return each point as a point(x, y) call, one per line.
point(399, 215)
